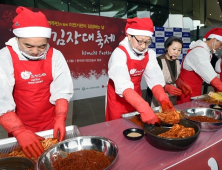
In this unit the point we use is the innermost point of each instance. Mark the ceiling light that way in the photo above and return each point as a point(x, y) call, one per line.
point(173, 4)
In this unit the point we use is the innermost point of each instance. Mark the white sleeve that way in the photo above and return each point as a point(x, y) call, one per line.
point(62, 85)
point(217, 68)
point(198, 60)
point(7, 82)
point(118, 71)
point(153, 73)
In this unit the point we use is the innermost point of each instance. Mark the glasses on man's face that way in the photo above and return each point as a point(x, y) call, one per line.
point(147, 43)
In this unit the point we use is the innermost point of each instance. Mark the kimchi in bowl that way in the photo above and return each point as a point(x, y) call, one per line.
point(170, 144)
point(60, 152)
point(204, 113)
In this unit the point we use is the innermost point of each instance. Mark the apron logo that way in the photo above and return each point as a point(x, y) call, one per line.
point(132, 71)
point(26, 74)
point(135, 72)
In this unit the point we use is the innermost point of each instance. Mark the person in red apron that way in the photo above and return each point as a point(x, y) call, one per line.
point(34, 95)
point(128, 63)
point(196, 65)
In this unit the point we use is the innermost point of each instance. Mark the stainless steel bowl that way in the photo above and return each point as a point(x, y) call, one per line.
point(107, 146)
point(199, 111)
point(16, 163)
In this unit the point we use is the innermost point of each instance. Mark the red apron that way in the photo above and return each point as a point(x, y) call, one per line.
point(116, 105)
point(191, 78)
point(32, 92)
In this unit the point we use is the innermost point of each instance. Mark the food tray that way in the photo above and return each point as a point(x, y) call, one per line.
point(131, 114)
point(204, 96)
point(9, 144)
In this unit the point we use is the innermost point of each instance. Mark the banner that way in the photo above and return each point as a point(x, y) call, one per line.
point(87, 41)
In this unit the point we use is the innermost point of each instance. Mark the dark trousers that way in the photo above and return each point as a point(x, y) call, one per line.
point(149, 95)
point(205, 87)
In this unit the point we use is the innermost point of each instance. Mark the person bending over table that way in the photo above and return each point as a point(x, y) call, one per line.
point(36, 84)
point(128, 62)
point(196, 66)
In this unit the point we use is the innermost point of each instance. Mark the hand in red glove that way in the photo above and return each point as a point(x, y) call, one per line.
point(172, 90)
point(167, 106)
point(186, 89)
point(217, 84)
point(29, 141)
point(61, 109)
point(146, 112)
point(162, 98)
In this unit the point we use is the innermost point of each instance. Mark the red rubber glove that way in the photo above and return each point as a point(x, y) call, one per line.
point(29, 141)
point(186, 89)
point(162, 98)
point(217, 84)
point(146, 112)
point(61, 109)
point(172, 90)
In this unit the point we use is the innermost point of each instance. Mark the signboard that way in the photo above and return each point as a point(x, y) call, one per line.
point(87, 42)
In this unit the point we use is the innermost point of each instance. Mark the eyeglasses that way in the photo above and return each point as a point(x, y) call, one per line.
point(147, 43)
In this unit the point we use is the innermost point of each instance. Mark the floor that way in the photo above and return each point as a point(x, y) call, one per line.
point(84, 112)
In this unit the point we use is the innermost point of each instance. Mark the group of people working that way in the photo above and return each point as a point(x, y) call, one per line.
point(36, 84)
point(168, 82)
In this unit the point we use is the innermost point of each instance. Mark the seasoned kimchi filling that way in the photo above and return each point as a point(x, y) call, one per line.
point(178, 131)
point(204, 119)
point(170, 117)
point(81, 160)
point(47, 143)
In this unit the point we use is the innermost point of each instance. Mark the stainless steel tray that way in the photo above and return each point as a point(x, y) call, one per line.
point(127, 115)
point(156, 109)
point(199, 97)
point(130, 114)
point(9, 144)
